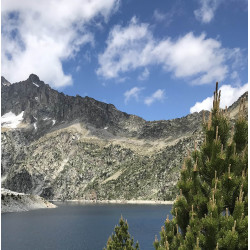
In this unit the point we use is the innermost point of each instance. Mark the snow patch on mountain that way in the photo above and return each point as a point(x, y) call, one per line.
point(36, 84)
point(10, 120)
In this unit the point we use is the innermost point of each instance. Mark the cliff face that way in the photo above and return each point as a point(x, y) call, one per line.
point(64, 147)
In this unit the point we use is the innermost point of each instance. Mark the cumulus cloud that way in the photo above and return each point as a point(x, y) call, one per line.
point(199, 59)
point(123, 47)
point(132, 93)
point(37, 36)
point(207, 10)
point(229, 95)
point(158, 95)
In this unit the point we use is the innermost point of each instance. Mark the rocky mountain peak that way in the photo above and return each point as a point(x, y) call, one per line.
point(5, 82)
point(34, 78)
point(45, 109)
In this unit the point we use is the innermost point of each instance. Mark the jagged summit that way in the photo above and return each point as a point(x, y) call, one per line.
point(46, 109)
point(34, 78)
point(5, 82)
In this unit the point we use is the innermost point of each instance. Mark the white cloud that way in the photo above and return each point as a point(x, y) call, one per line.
point(166, 18)
point(144, 75)
point(207, 10)
point(123, 47)
point(159, 16)
point(229, 95)
point(158, 95)
point(132, 93)
point(37, 36)
point(199, 59)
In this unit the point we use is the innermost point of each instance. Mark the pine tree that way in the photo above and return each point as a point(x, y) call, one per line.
point(211, 210)
point(121, 240)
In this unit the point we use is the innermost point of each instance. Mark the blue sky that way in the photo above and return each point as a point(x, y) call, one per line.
point(155, 59)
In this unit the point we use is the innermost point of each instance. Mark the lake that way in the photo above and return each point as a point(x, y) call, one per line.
point(71, 226)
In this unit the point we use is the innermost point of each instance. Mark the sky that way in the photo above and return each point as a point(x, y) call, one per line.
point(156, 59)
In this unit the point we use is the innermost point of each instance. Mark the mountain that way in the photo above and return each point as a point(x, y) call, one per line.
point(4, 82)
point(65, 147)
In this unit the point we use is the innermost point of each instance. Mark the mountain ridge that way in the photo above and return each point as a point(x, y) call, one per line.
point(83, 109)
point(79, 148)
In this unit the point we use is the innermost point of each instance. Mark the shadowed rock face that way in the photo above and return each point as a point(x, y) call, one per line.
point(21, 180)
point(42, 103)
point(79, 148)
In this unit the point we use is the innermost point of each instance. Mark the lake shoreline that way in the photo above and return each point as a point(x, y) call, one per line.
point(139, 202)
point(20, 202)
point(76, 225)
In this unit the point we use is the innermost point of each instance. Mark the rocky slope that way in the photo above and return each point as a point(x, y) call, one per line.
point(18, 202)
point(64, 147)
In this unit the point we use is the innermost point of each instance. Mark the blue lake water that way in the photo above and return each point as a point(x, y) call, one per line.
point(72, 226)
